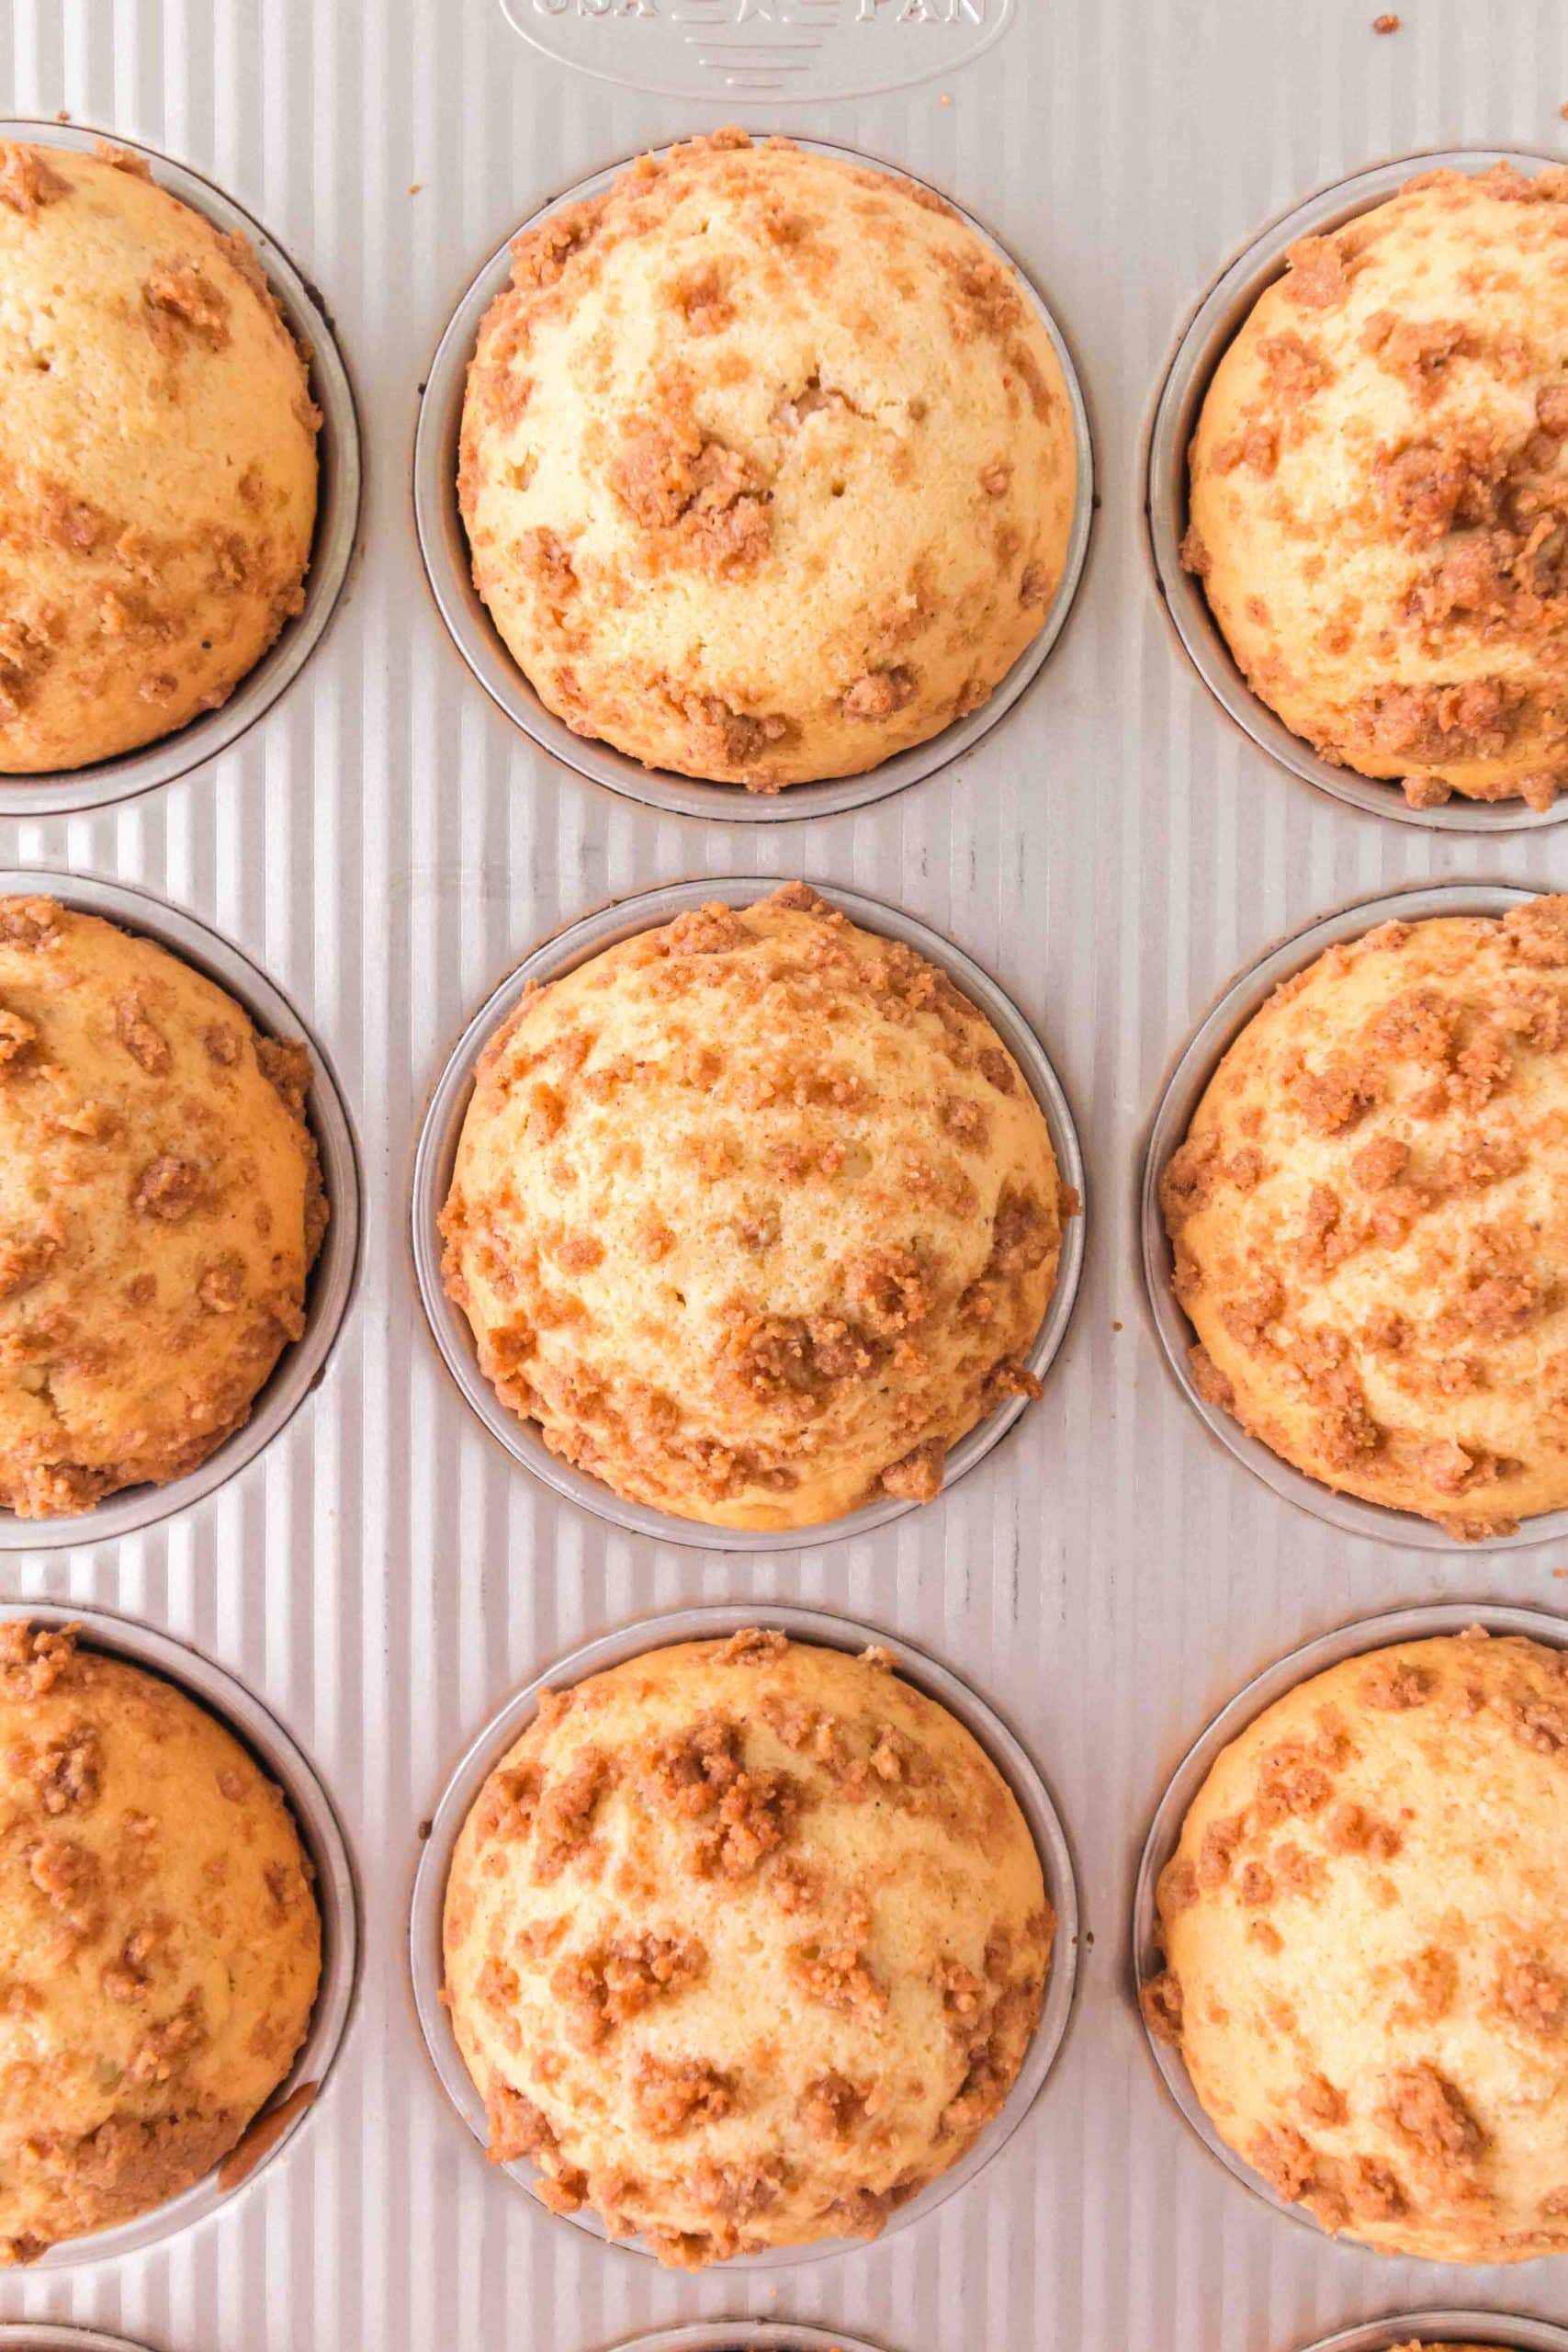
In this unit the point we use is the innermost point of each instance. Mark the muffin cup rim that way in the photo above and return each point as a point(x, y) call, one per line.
point(824, 1629)
point(1206, 333)
point(1186, 1081)
point(332, 1279)
point(203, 739)
point(1508, 2331)
point(1357, 1637)
point(447, 564)
point(249, 1719)
point(731, 2335)
point(440, 1128)
point(43, 2335)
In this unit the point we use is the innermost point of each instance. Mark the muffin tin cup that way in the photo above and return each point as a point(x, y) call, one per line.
point(443, 543)
point(1357, 1639)
point(1204, 343)
point(716, 1622)
point(436, 1154)
point(60, 792)
point(1448, 2327)
point(744, 2335)
point(302, 1365)
point(1183, 1092)
point(31, 2336)
point(213, 1687)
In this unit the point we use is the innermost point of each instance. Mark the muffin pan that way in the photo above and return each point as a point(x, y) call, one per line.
point(1204, 343)
point(437, 1151)
point(833, 1632)
point(24, 2335)
point(1115, 854)
point(1181, 1099)
point(1448, 2327)
point(337, 513)
point(1367, 1634)
point(303, 1363)
point(214, 1688)
point(444, 545)
point(744, 2335)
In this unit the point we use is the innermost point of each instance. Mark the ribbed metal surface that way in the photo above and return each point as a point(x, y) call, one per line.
point(386, 846)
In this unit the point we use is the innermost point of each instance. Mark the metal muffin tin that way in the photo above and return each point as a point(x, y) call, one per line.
point(1355, 1640)
point(1207, 336)
point(716, 1622)
point(213, 1687)
point(302, 1365)
point(337, 510)
point(1183, 1092)
point(443, 543)
point(741, 2335)
point(436, 1157)
point(1448, 2327)
point(27, 2335)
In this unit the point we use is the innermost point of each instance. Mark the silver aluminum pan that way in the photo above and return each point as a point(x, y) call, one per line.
point(711, 1623)
point(436, 1157)
point(302, 1365)
point(1183, 1091)
point(1355, 1640)
point(337, 512)
point(444, 545)
point(222, 1695)
point(1204, 343)
point(1448, 2327)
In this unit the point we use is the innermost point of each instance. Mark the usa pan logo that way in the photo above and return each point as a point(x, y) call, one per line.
point(763, 48)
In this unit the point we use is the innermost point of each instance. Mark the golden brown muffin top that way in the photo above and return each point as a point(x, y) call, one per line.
point(160, 1204)
point(160, 1945)
point(767, 463)
point(745, 1943)
point(158, 480)
point(1378, 491)
point(1369, 1217)
point(754, 1215)
point(1364, 1926)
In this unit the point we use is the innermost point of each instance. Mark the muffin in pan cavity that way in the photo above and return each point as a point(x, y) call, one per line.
point(1352, 1925)
point(755, 1215)
point(744, 1942)
point(1448, 2331)
point(161, 1941)
point(1366, 1214)
point(178, 1209)
point(769, 464)
point(179, 497)
point(1377, 497)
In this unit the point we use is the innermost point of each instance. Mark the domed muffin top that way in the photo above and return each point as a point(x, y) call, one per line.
point(158, 480)
point(1369, 1217)
point(1379, 493)
point(159, 1206)
point(767, 464)
point(745, 1943)
point(160, 1944)
point(1364, 1925)
point(755, 1214)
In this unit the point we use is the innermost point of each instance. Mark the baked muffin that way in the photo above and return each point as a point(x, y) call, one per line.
point(1365, 1924)
point(160, 1204)
point(1377, 492)
point(745, 1942)
point(767, 464)
point(161, 1942)
point(158, 479)
point(1369, 1217)
point(754, 1215)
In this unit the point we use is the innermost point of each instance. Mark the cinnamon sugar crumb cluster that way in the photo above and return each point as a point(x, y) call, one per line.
point(158, 484)
point(1379, 499)
point(1364, 1980)
point(161, 1205)
point(162, 1941)
point(767, 464)
point(755, 1215)
point(1369, 1224)
point(789, 1968)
